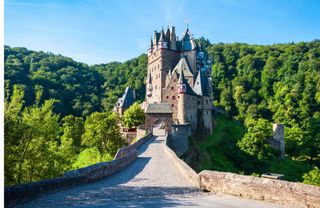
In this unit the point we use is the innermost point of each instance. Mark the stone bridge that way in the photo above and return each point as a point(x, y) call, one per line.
point(153, 179)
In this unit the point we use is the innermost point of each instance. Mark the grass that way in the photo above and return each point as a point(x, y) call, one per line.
point(219, 151)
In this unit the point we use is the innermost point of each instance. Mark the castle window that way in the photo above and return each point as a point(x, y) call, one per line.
point(172, 105)
point(173, 97)
point(178, 96)
point(167, 97)
point(207, 101)
point(199, 102)
point(172, 88)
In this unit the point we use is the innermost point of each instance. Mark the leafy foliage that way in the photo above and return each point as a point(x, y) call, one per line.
point(53, 112)
point(134, 116)
point(278, 83)
point(78, 89)
point(312, 177)
point(255, 140)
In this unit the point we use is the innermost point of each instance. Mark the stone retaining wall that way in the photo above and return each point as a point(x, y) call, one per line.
point(282, 192)
point(128, 149)
point(26, 192)
point(183, 167)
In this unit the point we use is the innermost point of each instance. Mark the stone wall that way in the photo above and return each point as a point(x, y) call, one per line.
point(171, 96)
point(188, 172)
point(127, 150)
point(26, 192)
point(156, 118)
point(141, 131)
point(179, 138)
point(282, 192)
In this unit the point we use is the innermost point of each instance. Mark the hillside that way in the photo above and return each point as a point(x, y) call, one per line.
point(256, 85)
point(219, 151)
point(79, 89)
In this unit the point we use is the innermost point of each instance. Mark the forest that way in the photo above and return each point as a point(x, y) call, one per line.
point(53, 105)
point(58, 112)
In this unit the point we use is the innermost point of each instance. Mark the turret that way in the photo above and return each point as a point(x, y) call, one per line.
point(168, 37)
point(162, 40)
point(150, 49)
point(173, 39)
point(182, 84)
point(155, 41)
point(187, 41)
point(182, 104)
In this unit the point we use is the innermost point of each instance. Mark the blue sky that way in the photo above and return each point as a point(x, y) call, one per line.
point(101, 31)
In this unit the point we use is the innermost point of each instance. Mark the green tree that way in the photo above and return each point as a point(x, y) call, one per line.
point(255, 140)
point(30, 141)
point(102, 132)
point(134, 116)
point(70, 141)
point(312, 177)
point(90, 156)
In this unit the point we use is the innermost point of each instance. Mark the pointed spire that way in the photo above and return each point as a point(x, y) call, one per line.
point(155, 38)
point(168, 34)
point(162, 36)
point(182, 79)
point(151, 43)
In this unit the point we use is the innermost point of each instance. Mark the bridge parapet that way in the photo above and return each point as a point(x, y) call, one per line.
point(22, 193)
point(185, 169)
point(131, 148)
point(291, 194)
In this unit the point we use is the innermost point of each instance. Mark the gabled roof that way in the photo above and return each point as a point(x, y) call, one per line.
point(183, 65)
point(159, 108)
point(127, 99)
point(201, 84)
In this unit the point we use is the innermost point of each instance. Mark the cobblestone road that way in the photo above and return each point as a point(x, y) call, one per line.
point(152, 180)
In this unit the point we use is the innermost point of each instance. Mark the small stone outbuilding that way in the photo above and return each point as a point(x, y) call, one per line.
point(158, 115)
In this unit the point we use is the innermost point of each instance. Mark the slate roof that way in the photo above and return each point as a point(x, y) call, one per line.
point(159, 108)
point(201, 84)
point(183, 65)
point(127, 99)
point(182, 80)
point(187, 42)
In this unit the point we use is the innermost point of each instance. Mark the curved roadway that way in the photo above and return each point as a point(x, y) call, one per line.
point(152, 180)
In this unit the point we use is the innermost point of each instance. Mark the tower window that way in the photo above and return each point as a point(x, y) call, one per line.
point(167, 97)
point(172, 88)
point(172, 105)
point(173, 97)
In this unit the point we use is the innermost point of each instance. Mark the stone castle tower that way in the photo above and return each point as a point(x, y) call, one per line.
point(179, 75)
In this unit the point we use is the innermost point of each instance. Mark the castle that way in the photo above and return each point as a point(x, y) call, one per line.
point(178, 81)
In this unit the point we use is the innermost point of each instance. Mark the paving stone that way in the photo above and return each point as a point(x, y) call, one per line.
point(151, 180)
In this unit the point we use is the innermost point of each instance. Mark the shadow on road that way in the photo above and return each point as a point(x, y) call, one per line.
point(117, 196)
